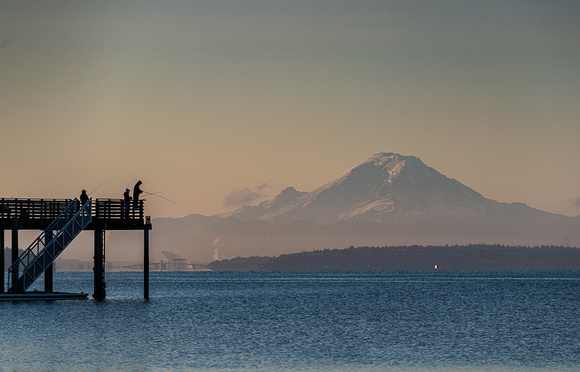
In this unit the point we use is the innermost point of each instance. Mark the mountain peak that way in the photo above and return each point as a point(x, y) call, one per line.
point(389, 164)
point(388, 157)
point(385, 186)
point(392, 161)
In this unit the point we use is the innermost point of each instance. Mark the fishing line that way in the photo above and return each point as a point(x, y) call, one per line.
point(98, 187)
point(145, 193)
point(130, 182)
point(159, 196)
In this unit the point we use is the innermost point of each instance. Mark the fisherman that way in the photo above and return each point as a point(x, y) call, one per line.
point(126, 203)
point(84, 197)
point(136, 192)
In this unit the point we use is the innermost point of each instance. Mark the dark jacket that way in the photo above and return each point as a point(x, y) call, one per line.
point(137, 191)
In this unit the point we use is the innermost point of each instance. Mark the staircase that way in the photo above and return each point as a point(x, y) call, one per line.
point(46, 248)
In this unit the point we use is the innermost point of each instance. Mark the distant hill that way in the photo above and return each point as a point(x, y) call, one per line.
point(471, 257)
point(388, 199)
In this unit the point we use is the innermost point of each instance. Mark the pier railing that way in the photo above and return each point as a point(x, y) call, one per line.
point(41, 212)
point(118, 209)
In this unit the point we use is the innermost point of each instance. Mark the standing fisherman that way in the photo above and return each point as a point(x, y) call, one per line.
point(126, 204)
point(136, 192)
point(84, 197)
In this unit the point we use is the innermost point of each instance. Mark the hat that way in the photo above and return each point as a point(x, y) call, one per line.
point(127, 190)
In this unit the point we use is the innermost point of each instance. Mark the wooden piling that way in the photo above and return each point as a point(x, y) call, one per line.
point(99, 267)
point(48, 273)
point(146, 264)
point(14, 252)
point(2, 263)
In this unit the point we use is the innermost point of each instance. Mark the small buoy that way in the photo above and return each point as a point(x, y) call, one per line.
point(436, 267)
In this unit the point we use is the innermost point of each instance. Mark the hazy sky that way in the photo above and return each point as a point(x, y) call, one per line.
point(213, 103)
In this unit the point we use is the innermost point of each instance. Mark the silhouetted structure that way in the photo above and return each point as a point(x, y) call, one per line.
point(177, 263)
point(60, 221)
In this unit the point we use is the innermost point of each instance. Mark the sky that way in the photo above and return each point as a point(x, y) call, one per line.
point(213, 104)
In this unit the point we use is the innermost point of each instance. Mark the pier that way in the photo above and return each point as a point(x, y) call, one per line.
point(59, 222)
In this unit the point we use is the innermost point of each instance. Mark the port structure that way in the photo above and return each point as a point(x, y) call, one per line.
point(177, 263)
point(60, 221)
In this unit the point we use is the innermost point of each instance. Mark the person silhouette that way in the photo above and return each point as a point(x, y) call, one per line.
point(136, 192)
point(84, 197)
point(126, 204)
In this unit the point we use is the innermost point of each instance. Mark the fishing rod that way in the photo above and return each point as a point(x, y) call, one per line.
point(159, 196)
point(130, 182)
point(145, 193)
point(98, 187)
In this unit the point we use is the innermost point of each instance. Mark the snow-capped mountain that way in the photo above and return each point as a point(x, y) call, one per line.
point(388, 199)
point(386, 187)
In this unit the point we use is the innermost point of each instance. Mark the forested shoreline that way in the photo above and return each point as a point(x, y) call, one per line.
point(416, 257)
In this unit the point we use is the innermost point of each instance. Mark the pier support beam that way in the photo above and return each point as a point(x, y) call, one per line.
point(15, 254)
point(146, 264)
point(48, 273)
point(2, 263)
point(48, 278)
point(99, 265)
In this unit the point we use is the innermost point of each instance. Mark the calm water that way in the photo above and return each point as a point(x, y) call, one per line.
point(325, 321)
